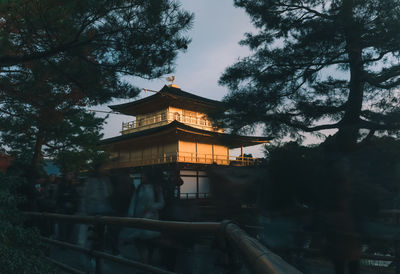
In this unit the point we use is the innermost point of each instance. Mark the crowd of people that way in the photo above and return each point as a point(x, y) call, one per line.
point(99, 193)
point(118, 194)
point(50, 193)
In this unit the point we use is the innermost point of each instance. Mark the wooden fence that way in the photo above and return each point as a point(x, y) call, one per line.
point(230, 237)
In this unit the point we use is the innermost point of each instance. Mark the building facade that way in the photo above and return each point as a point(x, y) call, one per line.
point(172, 131)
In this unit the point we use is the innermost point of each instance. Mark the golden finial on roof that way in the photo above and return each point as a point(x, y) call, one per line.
point(171, 79)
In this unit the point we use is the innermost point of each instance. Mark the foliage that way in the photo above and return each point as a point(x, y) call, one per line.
point(32, 122)
point(318, 65)
point(58, 57)
point(308, 176)
point(103, 37)
point(20, 248)
point(293, 171)
point(76, 147)
point(80, 160)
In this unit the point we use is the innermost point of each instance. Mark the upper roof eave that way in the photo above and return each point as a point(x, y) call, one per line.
point(170, 92)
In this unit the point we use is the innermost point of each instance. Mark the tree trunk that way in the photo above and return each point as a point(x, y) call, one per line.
point(37, 155)
point(346, 137)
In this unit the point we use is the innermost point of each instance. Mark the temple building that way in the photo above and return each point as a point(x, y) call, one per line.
point(172, 131)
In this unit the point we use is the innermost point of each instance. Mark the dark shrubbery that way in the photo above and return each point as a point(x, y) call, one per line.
point(20, 248)
point(308, 176)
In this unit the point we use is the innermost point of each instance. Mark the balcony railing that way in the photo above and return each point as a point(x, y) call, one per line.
point(189, 196)
point(184, 157)
point(165, 118)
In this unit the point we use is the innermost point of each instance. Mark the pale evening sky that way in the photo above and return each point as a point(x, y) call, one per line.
point(218, 27)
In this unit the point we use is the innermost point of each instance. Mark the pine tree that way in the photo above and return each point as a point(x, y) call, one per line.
point(318, 65)
point(58, 57)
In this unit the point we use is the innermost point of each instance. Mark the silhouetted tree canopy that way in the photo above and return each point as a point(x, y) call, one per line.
point(318, 65)
point(131, 37)
point(58, 57)
point(89, 45)
point(307, 176)
point(50, 127)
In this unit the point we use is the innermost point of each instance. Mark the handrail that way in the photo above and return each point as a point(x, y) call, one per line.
point(260, 260)
point(149, 224)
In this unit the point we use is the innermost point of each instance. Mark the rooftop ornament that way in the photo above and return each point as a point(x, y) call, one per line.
point(172, 79)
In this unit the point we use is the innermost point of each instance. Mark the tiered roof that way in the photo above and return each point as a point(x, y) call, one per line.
point(168, 96)
point(175, 97)
point(185, 132)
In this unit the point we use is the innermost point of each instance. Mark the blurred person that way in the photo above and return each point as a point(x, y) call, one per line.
point(49, 202)
point(146, 202)
point(30, 189)
point(98, 190)
point(122, 189)
point(67, 203)
point(51, 190)
point(44, 204)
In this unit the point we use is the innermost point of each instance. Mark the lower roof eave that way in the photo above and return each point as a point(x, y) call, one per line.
point(187, 132)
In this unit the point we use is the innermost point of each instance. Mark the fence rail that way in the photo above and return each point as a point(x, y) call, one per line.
point(94, 253)
point(259, 259)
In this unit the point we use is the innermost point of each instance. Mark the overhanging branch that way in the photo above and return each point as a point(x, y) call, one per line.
point(306, 9)
point(379, 79)
point(12, 60)
point(318, 128)
point(302, 127)
point(375, 126)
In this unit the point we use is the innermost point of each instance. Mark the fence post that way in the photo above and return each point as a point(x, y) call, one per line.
point(397, 247)
point(99, 246)
point(397, 255)
point(232, 262)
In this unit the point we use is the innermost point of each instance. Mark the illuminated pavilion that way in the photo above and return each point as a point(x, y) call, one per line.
point(172, 130)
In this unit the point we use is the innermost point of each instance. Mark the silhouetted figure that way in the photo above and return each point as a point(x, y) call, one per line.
point(122, 189)
point(51, 189)
point(146, 202)
point(29, 189)
point(96, 201)
point(67, 203)
point(45, 203)
point(48, 203)
point(169, 245)
point(97, 193)
point(32, 193)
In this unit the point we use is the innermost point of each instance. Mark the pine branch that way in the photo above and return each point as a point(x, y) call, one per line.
point(375, 126)
point(379, 79)
point(307, 9)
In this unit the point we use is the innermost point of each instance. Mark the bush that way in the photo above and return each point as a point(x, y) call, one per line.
point(21, 250)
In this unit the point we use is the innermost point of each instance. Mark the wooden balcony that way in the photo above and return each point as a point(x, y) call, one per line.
point(183, 157)
point(166, 118)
